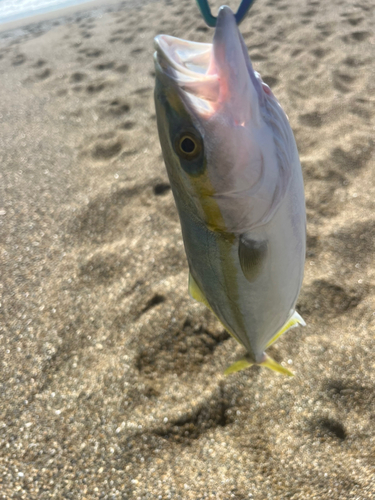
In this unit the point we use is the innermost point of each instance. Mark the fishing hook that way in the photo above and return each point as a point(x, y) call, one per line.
point(211, 20)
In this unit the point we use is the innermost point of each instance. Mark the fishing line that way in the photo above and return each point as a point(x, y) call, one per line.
point(211, 20)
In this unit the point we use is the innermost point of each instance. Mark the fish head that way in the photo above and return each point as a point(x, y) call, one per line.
point(209, 111)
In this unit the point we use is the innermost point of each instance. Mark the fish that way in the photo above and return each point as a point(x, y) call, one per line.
point(235, 174)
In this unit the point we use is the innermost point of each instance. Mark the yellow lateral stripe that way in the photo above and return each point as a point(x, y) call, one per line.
point(292, 322)
point(272, 365)
point(238, 366)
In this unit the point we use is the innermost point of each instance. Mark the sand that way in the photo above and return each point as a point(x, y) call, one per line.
point(111, 377)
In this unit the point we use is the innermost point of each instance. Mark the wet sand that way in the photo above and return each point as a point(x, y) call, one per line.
point(111, 377)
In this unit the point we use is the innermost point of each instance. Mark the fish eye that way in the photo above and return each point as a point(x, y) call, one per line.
point(188, 146)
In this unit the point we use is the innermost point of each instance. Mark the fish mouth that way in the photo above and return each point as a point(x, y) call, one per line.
point(208, 75)
point(186, 66)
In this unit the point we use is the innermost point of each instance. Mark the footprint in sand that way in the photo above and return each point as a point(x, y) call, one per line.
point(161, 188)
point(328, 428)
point(258, 56)
point(105, 150)
point(78, 77)
point(137, 51)
point(216, 411)
point(119, 31)
point(43, 75)
point(355, 244)
point(101, 268)
point(342, 81)
point(349, 394)
point(128, 125)
point(202, 29)
point(313, 246)
point(271, 81)
point(116, 107)
point(313, 119)
point(353, 62)
point(91, 53)
point(352, 161)
point(327, 298)
point(356, 36)
point(105, 65)
point(114, 39)
point(96, 87)
point(144, 91)
point(296, 52)
point(40, 63)
point(151, 303)
point(322, 170)
point(123, 68)
point(179, 349)
point(19, 59)
point(309, 13)
point(320, 52)
point(325, 30)
point(122, 20)
point(355, 21)
point(321, 201)
point(362, 108)
point(106, 216)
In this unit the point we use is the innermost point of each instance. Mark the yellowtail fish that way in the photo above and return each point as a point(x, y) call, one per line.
point(236, 178)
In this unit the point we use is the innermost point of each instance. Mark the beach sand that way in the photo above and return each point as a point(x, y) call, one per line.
point(111, 381)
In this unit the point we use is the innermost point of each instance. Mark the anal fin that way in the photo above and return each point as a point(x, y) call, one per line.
point(196, 293)
point(294, 321)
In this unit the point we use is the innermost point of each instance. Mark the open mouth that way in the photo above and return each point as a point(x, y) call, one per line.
point(210, 76)
point(189, 66)
point(187, 58)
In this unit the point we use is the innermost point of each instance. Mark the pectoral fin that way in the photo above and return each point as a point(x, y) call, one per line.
point(251, 254)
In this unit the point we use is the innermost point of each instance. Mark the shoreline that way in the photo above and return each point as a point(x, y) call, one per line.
point(92, 8)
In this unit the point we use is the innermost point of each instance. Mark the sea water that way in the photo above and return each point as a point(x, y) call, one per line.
point(11, 10)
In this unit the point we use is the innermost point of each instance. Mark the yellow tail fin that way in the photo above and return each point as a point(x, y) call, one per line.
point(237, 366)
point(276, 367)
point(269, 363)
